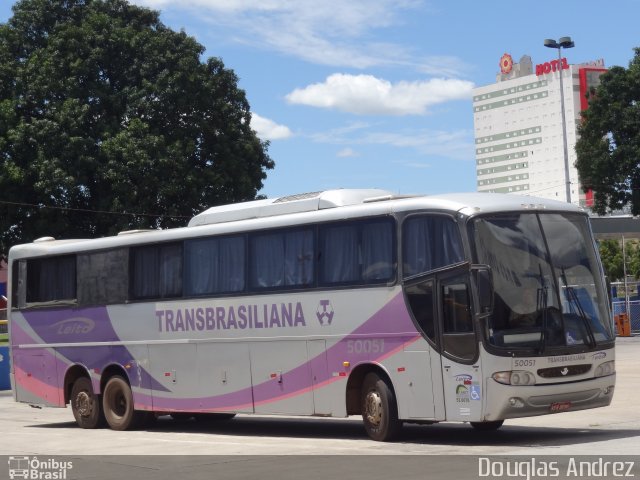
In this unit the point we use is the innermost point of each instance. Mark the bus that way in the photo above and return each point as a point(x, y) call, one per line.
point(472, 308)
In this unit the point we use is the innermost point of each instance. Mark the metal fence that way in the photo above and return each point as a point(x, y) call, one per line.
point(626, 299)
point(634, 312)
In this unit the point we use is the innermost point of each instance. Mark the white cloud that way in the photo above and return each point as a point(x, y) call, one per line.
point(268, 129)
point(347, 152)
point(332, 32)
point(454, 145)
point(458, 145)
point(368, 95)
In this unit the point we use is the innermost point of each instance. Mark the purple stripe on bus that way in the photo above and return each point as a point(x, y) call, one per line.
point(92, 357)
point(72, 326)
point(34, 361)
point(391, 319)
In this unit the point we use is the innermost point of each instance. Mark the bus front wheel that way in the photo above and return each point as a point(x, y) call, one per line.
point(379, 409)
point(85, 405)
point(117, 403)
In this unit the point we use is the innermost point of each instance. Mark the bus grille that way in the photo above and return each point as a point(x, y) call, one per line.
point(565, 371)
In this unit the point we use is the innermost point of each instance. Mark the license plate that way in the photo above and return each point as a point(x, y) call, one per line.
point(560, 407)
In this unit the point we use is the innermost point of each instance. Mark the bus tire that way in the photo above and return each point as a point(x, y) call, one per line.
point(487, 426)
point(117, 403)
point(85, 405)
point(379, 409)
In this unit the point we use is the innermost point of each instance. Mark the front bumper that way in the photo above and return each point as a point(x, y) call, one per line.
point(509, 401)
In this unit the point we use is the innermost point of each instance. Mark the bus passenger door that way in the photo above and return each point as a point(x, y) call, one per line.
point(461, 372)
point(423, 375)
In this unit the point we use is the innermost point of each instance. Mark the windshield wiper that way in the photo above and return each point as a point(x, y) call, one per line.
point(541, 305)
point(573, 298)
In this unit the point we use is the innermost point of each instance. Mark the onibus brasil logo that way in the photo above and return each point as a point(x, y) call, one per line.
point(35, 469)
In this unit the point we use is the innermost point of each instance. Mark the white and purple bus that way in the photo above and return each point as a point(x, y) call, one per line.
point(469, 308)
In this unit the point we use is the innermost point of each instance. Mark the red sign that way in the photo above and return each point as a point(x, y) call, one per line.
point(506, 63)
point(552, 66)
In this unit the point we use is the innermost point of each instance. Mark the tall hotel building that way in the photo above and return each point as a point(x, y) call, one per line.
point(518, 127)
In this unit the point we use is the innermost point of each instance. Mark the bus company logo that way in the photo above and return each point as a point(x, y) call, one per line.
point(325, 312)
point(599, 355)
point(567, 358)
point(35, 469)
point(74, 326)
point(464, 379)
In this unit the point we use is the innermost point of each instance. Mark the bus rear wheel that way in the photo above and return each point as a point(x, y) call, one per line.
point(379, 409)
point(85, 405)
point(117, 403)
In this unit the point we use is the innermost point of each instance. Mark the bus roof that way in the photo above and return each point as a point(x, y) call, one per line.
point(299, 209)
point(308, 202)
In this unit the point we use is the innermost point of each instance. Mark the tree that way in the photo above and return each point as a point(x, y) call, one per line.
point(611, 256)
point(632, 250)
point(104, 109)
point(609, 146)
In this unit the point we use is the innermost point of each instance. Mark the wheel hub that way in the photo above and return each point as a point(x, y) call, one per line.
point(373, 408)
point(83, 404)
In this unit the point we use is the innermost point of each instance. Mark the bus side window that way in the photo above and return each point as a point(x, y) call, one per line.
point(102, 277)
point(357, 252)
point(430, 242)
point(282, 259)
point(214, 265)
point(156, 271)
point(51, 279)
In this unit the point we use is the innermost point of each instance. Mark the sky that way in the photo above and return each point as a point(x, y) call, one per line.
point(378, 93)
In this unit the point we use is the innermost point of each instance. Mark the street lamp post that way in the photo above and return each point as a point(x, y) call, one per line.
point(564, 42)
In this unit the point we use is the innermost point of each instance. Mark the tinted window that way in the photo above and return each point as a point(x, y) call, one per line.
point(420, 298)
point(282, 259)
point(16, 281)
point(360, 252)
point(156, 271)
point(456, 309)
point(430, 242)
point(214, 265)
point(51, 279)
point(103, 277)
point(457, 325)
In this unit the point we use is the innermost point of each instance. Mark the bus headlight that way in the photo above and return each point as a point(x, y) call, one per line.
point(606, 368)
point(514, 377)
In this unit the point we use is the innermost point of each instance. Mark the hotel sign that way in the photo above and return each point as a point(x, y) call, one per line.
point(552, 66)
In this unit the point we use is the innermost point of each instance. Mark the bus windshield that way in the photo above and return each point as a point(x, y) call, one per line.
point(548, 291)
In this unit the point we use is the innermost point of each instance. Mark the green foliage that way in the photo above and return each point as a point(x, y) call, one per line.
point(105, 109)
point(609, 146)
point(611, 255)
point(632, 250)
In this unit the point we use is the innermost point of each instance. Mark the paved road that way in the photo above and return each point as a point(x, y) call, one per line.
point(614, 430)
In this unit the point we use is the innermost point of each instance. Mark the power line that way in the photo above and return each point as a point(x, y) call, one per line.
point(86, 210)
point(548, 188)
